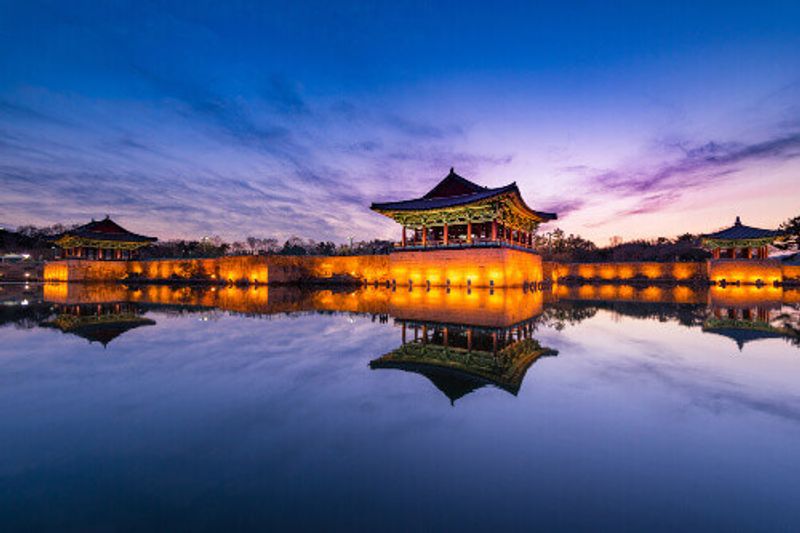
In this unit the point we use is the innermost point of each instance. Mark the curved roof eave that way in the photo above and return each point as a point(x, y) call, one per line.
point(422, 204)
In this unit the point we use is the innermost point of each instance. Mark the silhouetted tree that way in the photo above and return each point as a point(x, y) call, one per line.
point(791, 237)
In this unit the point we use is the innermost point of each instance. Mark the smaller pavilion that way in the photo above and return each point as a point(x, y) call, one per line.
point(459, 213)
point(103, 240)
point(740, 242)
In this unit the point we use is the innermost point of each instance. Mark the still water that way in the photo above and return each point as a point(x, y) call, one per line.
point(589, 408)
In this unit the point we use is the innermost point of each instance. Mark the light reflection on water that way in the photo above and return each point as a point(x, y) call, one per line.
point(592, 407)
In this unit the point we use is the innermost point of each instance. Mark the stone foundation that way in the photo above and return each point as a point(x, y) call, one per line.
point(767, 271)
point(475, 267)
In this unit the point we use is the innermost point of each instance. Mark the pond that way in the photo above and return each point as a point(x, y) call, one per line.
point(577, 408)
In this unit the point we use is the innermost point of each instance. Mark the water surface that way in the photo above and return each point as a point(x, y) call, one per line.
point(581, 408)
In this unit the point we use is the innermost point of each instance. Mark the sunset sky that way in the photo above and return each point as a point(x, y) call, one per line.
point(188, 119)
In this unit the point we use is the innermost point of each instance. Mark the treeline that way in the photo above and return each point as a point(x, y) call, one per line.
point(38, 241)
point(217, 247)
point(557, 246)
point(33, 240)
point(553, 245)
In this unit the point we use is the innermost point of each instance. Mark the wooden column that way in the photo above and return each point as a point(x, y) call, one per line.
point(715, 253)
point(469, 232)
point(766, 251)
point(424, 236)
point(494, 230)
point(748, 254)
point(404, 237)
point(445, 235)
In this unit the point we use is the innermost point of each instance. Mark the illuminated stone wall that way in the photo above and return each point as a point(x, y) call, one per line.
point(791, 274)
point(646, 271)
point(368, 268)
point(506, 267)
point(235, 268)
point(477, 267)
point(75, 270)
point(746, 271)
point(231, 269)
point(552, 272)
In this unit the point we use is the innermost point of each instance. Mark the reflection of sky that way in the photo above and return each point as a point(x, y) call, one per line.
point(651, 424)
point(189, 119)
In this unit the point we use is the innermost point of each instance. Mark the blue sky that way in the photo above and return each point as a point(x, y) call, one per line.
point(249, 118)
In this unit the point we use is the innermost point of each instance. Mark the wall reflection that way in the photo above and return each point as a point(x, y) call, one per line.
point(742, 313)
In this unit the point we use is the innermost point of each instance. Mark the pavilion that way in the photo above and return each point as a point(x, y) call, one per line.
point(101, 239)
point(740, 242)
point(458, 213)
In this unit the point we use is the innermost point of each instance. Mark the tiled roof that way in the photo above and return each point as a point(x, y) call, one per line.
point(740, 231)
point(453, 191)
point(107, 230)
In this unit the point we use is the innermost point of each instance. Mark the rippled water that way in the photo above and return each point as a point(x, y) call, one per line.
point(581, 408)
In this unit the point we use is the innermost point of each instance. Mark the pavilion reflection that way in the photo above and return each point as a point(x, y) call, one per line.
point(101, 323)
point(741, 313)
point(460, 358)
point(746, 314)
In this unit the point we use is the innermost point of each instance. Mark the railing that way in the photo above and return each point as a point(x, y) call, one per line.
point(432, 244)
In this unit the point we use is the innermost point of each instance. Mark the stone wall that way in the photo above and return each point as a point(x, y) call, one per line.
point(230, 269)
point(504, 267)
point(644, 271)
point(745, 271)
point(791, 274)
point(252, 269)
point(476, 267)
point(748, 271)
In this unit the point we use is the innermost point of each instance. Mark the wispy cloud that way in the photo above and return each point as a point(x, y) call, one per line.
point(698, 167)
point(220, 166)
point(564, 207)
